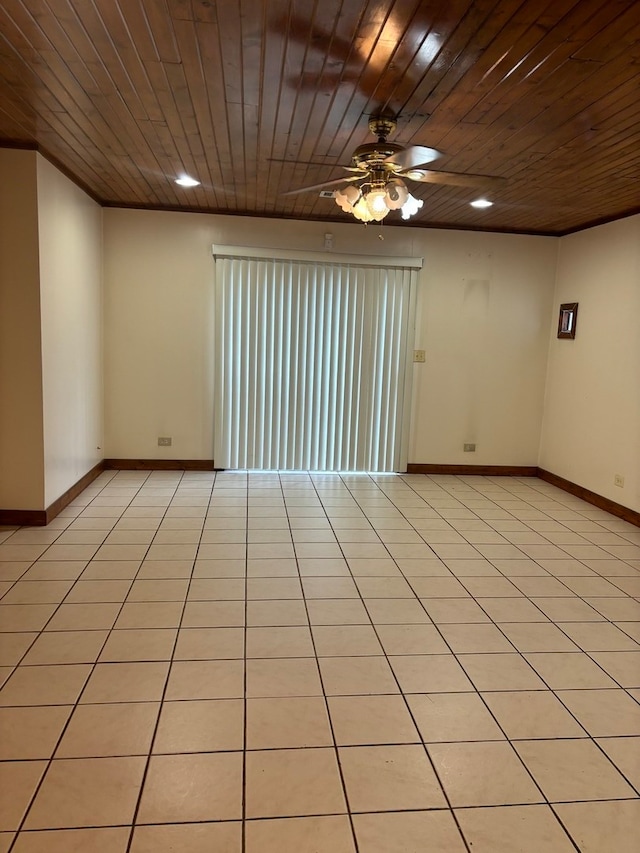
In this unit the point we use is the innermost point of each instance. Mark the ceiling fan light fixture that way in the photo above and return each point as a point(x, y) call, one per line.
point(376, 203)
point(412, 205)
point(361, 211)
point(397, 194)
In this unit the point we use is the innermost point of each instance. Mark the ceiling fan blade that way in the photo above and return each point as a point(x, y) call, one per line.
point(455, 179)
point(324, 184)
point(414, 155)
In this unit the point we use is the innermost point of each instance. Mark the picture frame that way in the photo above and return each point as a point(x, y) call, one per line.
point(567, 320)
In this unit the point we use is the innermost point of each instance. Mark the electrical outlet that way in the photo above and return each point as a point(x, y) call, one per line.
point(419, 356)
point(164, 441)
point(469, 448)
point(618, 480)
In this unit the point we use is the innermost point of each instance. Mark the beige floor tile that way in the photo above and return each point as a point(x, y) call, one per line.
point(625, 754)
point(159, 590)
point(279, 642)
point(272, 568)
point(603, 826)
point(273, 588)
point(87, 792)
point(384, 587)
point(572, 770)
point(359, 720)
point(98, 591)
point(293, 782)
point(617, 609)
point(107, 840)
point(119, 552)
point(126, 682)
point(293, 835)
point(18, 782)
point(65, 647)
point(144, 644)
point(54, 571)
point(188, 838)
point(411, 640)
point(13, 647)
point(527, 829)
point(362, 568)
point(483, 774)
point(207, 679)
point(624, 667)
point(209, 644)
point(213, 614)
point(599, 637)
point(512, 610)
point(328, 587)
point(13, 571)
point(536, 637)
point(28, 733)
point(348, 640)
point(396, 611)
point(406, 833)
point(567, 610)
point(423, 568)
point(225, 551)
point(475, 638)
point(44, 685)
point(153, 614)
point(276, 613)
point(84, 617)
point(207, 725)
point(389, 778)
point(350, 676)
point(129, 537)
point(219, 569)
point(198, 787)
point(217, 589)
point(287, 722)
point(430, 674)
point(438, 587)
point(569, 670)
point(111, 570)
point(528, 714)
point(37, 592)
point(165, 570)
point(96, 731)
point(603, 713)
point(444, 717)
point(283, 677)
point(454, 610)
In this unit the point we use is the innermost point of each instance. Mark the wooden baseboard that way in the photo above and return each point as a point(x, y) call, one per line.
point(160, 464)
point(630, 515)
point(42, 517)
point(477, 470)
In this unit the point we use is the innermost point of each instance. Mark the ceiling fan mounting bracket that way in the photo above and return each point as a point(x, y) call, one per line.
point(382, 127)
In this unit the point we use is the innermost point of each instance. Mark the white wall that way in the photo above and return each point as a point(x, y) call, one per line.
point(21, 431)
point(482, 317)
point(591, 428)
point(70, 232)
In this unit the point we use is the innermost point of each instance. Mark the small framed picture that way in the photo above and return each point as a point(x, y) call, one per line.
point(567, 320)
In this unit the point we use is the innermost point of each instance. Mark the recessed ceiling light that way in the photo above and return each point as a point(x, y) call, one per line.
point(481, 202)
point(186, 181)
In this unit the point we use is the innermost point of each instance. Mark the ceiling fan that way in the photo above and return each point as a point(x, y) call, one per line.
point(380, 169)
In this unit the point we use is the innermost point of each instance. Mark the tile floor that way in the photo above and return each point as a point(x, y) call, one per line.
point(248, 663)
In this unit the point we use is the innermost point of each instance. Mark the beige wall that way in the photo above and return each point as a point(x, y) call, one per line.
point(70, 231)
point(591, 428)
point(482, 317)
point(21, 430)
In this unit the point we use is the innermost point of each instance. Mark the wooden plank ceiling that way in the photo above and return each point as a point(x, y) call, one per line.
point(258, 97)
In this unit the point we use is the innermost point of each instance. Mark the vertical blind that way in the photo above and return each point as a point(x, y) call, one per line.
point(311, 364)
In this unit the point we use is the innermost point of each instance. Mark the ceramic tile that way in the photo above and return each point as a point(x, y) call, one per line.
point(144, 644)
point(411, 640)
point(31, 733)
point(287, 722)
point(602, 826)
point(330, 834)
point(279, 642)
point(14, 646)
point(84, 617)
point(360, 720)
point(528, 714)
point(603, 712)
point(445, 717)
point(293, 782)
point(624, 667)
point(65, 647)
point(206, 679)
point(104, 840)
point(200, 726)
point(445, 611)
point(429, 674)
point(503, 829)
point(624, 752)
point(109, 730)
point(389, 778)
point(350, 676)
point(18, 782)
point(44, 685)
point(572, 770)
point(396, 611)
point(87, 792)
point(198, 787)
point(225, 837)
point(209, 644)
point(213, 614)
point(283, 677)
point(346, 640)
point(475, 638)
point(483, 774)
point(276, 613)
point(126, 682)
point(569, 670)
point(404, 832)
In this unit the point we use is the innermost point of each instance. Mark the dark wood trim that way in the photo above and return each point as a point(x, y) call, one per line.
point(159, 464)
point(23, 517)
point(482, 470)
point(630, 515)
point(41, 517)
